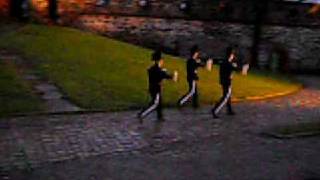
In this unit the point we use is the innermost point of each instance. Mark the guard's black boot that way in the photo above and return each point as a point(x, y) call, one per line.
point(195, 106)
point(160, 117)
point(231, 113)
point(179, 105)
point(214, 114)
point(140, 118)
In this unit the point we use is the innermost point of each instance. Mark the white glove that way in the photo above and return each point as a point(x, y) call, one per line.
point(209, 64)
point(245, 69)
point(175, 76)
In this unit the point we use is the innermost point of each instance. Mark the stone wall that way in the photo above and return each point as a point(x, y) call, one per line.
point(176, 35)
point(241, 11)
point(223, 10)
point(67, 9)
point(292, 32)
point(297, 47)
point(284, 13)
point(300, 44)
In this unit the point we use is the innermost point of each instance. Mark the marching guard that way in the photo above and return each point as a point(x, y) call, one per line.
point(226, 68)
point(193, 63)
point(156, 74)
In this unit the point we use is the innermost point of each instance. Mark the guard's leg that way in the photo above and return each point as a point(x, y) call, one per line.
point(159, 110)
point(192, 90)
point(195, 103)
point(153, 105)
point(223, 100)
point(229, 107)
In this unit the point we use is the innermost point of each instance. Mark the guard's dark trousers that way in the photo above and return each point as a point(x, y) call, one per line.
point(192, 93)
point(155, 104)
point(225, 100)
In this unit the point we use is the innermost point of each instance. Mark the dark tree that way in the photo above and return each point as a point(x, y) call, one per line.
point(261, 10)
point(16, 10)
point(53, 10)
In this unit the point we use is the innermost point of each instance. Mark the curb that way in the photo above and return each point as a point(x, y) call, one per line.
point(234, 100)
point(58, 113)
point(291, 136)
point(268, 96)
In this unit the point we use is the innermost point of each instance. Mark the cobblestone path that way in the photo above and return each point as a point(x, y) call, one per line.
point(228, 148)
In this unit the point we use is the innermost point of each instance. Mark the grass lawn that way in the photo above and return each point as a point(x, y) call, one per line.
point(15, 95)
point(98, 72)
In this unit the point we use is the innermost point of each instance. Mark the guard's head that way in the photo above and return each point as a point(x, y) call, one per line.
point(156, 57)
point(194, 51)
point(229, 52)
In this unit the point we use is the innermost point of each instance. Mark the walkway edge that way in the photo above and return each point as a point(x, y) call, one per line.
point(291, 136)
point(92, 111)
point(268, 96)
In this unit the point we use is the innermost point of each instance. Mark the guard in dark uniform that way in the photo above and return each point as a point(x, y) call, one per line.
point(156, 75)
point(193, 63)
point(226, 68)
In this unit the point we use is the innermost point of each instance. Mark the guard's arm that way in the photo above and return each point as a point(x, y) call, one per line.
point(201, 62)
point(165, 74)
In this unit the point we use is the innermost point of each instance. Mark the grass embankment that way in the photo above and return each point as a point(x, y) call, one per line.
point(98, 72)
point(15, 94)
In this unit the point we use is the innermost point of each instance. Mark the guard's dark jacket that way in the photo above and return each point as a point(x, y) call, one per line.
point(226, 69)
point(156, 75)
point(192, 66)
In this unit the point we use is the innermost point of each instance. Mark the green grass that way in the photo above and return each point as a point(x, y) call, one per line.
point(98, 72)
point(15, 95)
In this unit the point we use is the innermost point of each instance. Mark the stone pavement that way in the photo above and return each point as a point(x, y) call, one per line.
point(189, 145)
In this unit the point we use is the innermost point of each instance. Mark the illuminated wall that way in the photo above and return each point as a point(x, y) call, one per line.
point(4, 7)
point(222, 10)
point(40, 8)
point(288, 27)
point(66, 8)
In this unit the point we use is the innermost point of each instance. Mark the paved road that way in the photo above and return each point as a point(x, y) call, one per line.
point(189, 145)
